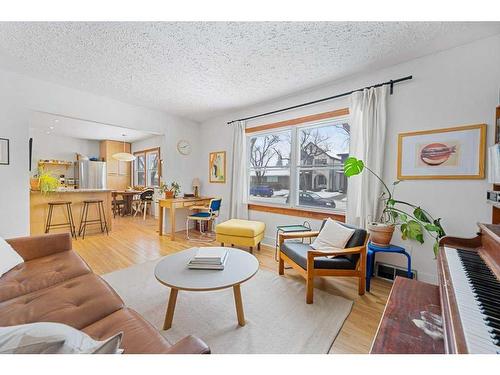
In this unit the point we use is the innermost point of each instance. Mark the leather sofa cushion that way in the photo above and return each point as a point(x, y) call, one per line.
point(240, 228)
point(78, 302)
point(297, 251)
point(41, 273)
point(139, 336)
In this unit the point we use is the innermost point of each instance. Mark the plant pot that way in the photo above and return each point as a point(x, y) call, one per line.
point(169, 194)
point(34, 184)
point(381, 234)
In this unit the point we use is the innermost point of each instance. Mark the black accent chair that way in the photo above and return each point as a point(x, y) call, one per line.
point(310, 263)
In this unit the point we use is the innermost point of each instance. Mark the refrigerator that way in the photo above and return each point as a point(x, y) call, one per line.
point(90, 174)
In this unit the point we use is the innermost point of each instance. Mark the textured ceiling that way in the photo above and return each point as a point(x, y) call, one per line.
point(201, 69)
point(77, 128)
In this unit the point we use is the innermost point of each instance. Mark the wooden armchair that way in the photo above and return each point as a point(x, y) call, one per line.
point(350, 261)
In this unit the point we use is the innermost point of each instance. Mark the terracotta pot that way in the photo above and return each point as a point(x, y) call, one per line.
point(381, 234)
point(169, 194)
point(34, 184)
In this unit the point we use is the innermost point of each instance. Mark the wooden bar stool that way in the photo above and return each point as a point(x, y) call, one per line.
point(69, 213)
point(84, 221)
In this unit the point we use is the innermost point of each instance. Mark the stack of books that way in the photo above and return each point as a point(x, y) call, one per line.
point(209, 258)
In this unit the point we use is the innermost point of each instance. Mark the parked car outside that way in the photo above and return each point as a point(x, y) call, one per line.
point(313, 199)
point(261, 191)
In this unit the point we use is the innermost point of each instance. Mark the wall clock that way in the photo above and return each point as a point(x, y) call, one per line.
point(184, 147)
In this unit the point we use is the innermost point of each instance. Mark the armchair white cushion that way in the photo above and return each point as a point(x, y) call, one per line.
point(332, 236)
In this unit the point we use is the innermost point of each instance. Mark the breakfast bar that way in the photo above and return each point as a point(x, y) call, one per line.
point(39, 206)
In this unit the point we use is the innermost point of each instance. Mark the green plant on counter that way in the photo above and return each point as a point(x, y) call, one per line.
point(47, 182)
point(411, 219)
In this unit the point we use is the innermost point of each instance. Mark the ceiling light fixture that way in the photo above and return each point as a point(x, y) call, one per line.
point(123, 156)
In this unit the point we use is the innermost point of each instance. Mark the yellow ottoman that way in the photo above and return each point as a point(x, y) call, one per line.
point(240, 232)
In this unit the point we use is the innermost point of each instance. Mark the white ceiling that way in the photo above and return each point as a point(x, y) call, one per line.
point(82, 129)
point(200, 69)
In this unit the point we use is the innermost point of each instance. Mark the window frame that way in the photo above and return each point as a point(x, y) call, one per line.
point(294, 126)
point(146, 167)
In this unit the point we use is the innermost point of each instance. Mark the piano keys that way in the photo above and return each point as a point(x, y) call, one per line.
point(469, 298)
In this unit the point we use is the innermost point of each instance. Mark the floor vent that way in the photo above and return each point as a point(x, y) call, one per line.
point(389, 271)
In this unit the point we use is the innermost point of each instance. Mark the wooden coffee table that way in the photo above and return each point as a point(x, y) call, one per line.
point(174, 273)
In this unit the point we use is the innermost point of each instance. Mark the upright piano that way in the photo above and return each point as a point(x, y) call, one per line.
point(467, 299)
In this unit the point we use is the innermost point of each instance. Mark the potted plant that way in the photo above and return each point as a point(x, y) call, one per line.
point(410, 218)
point(44, 181)
point(171, 191)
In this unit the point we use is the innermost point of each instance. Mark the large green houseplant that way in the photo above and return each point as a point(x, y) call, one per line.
point(410, 218)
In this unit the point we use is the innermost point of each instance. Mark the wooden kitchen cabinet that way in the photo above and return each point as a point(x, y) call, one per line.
point(118, 172)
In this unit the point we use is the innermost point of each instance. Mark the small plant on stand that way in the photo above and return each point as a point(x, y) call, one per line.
point(411, 219)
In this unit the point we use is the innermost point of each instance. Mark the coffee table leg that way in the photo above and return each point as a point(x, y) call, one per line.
point(239, 305)
point(169, 316)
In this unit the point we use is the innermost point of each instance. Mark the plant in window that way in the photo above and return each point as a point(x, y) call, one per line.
point(411, 219)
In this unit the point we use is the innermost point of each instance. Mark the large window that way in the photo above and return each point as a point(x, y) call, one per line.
point(300, 166)
point(147, 169)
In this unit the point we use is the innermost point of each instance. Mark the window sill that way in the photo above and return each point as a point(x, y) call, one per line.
point(319, 215)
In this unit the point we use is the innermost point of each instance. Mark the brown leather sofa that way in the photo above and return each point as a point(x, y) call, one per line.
point(55, 285)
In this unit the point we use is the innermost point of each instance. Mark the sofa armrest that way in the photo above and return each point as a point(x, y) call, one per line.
point(33, 247)
point(189, 345)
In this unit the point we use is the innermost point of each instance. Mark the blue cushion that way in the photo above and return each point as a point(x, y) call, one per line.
point(200, 215)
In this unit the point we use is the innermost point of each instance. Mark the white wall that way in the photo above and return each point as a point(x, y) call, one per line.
point(52, 146)
point(20, 95)
point(454, 87)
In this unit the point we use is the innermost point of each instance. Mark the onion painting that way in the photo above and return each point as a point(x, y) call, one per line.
point(436, 153)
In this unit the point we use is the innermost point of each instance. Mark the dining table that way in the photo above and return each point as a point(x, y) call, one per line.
point(128, 197)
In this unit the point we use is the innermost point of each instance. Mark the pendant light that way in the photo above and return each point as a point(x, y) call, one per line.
point(123, 156)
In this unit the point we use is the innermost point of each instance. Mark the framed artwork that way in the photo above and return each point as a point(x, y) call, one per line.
point(450, 153)
point(4, 151)
point(217, 167)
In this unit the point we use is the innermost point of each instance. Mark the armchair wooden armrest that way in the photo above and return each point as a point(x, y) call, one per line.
point(287, 236)
point(346, 251)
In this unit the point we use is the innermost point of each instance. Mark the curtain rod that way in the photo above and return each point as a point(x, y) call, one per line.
point(391, 83)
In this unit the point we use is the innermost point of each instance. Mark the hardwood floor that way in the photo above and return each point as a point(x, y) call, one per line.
point(134, 240)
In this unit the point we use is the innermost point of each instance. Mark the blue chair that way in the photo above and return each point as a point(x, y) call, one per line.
point(210, 214)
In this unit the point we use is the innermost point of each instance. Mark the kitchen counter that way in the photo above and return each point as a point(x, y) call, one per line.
point(69, 190)
point(39, 206)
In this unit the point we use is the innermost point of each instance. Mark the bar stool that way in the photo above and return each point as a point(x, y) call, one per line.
point(84, 221)
point(70, 223)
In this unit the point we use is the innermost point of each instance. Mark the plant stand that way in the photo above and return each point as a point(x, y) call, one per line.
point(370, 259)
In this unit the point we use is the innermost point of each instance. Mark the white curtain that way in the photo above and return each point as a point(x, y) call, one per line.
point(368, 117)
point(238, 203)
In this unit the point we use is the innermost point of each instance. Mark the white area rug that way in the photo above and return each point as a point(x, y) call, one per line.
point(277, 318)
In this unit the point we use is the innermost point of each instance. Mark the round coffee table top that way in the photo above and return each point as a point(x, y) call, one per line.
point(173, 271)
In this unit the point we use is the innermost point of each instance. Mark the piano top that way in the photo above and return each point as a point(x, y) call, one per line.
point(397, 333)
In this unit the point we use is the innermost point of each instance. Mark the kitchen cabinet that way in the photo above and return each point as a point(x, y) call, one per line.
point(118, 172)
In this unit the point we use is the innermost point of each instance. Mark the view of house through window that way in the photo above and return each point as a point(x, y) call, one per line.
point(301, 166)
point(146, 168)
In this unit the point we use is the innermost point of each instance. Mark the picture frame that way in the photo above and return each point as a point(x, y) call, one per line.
point(449, 153)
point(4, 151)
point(217, 167)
